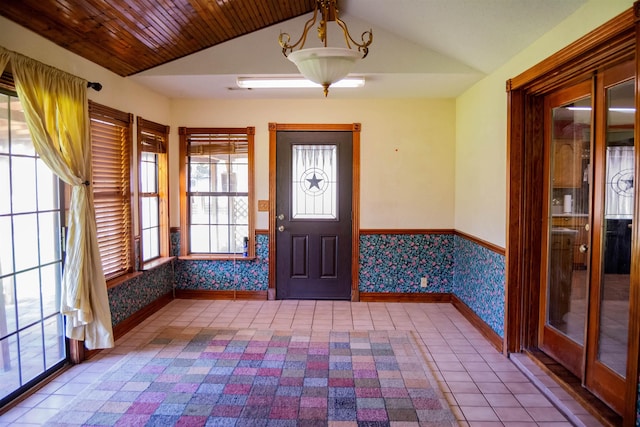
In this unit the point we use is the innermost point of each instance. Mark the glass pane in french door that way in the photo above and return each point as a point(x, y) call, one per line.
point(569, 206)
point(32, 339)
point(618, 220)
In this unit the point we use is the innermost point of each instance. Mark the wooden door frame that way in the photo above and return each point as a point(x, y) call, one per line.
point(614, 42)
point(354, 128)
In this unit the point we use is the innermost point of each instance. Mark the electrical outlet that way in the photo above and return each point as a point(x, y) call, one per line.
point(423, 282)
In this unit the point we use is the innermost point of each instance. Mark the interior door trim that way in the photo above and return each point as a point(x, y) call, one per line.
point(354, 128)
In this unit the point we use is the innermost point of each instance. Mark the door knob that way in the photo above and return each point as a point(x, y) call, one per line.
point(281, 228)
point(583, 248)
point(280, 217)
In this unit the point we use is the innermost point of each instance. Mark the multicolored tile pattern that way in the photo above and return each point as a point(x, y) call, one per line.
point(221, 377)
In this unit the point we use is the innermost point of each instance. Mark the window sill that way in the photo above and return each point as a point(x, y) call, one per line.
point(213, 257)
point(112, 283)
point(154, 263)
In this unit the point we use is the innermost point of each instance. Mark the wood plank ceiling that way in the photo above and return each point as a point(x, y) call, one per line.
point(129, 36)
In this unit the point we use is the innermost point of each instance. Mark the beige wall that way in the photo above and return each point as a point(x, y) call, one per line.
point(407, 151)
point(481, 122)
point(429, 163)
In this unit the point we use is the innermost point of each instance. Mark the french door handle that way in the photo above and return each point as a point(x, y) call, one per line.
point(583, 248)
point(280, 217)
point(281, 228)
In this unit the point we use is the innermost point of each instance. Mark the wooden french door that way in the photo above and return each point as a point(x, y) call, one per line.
point(565, 268)
point(587, 239)
point(313, 215)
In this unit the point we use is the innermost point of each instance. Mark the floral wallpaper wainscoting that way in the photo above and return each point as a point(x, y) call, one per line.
point(227, 275)
point(479, 281)
point(397, 262)
point(135, 294)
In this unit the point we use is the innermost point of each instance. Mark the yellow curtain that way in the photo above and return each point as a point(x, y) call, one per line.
point(56, 110)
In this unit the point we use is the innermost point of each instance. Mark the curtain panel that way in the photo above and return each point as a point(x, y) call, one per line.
point(56, 110)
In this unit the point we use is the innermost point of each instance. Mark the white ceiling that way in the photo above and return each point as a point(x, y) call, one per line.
point(420, 49)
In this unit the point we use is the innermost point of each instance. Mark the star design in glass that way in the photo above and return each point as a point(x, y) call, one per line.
point(314, 182)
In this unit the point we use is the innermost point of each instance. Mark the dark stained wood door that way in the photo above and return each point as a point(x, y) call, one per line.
point(313, 214)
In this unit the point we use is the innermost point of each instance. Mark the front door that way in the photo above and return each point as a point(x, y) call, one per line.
point(313, 214)
point(584, 314)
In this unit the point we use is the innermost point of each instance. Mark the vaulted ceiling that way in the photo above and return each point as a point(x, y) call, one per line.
point(197, 48)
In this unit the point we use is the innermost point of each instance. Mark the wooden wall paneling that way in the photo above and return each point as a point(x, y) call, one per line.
point(129, 36)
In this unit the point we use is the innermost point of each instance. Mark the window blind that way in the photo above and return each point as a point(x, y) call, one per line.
point(111, 183)
point(211, 144)
point(152, 136)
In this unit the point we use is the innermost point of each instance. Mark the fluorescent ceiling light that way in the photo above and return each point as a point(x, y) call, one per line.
point(623, 109)
point(293, 82)
point(616, 109)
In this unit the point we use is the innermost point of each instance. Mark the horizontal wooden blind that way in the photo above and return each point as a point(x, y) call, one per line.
point(151, 143)
point(201, 144)
point(152, 136)
point(7, 82)
point(111, 183)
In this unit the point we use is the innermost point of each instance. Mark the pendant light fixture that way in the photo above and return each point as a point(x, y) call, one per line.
point(325, 65)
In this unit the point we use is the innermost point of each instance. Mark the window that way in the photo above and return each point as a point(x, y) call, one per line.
point(216, 186)
point(111, 182)
point(153, 193)
point(32, 342)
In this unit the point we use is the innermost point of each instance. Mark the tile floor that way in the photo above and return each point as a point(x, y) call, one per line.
point(482, 386)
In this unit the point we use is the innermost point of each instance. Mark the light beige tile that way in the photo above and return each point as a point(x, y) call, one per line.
point(481, 385)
